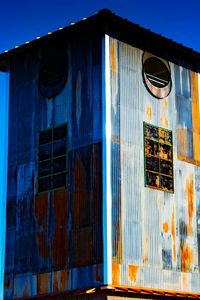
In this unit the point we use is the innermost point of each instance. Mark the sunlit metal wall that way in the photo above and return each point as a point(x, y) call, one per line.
point(155, 234)
point(54, 239)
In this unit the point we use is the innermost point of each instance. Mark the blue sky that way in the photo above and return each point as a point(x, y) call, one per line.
point(23, 20)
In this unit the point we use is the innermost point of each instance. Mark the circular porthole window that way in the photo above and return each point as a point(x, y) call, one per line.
point(53, 73)
point(156, 75)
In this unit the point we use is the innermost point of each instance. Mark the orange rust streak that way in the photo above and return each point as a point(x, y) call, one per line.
point(195, 116)
point(190, 199)
point(43, 281)
point(60, 239)
point(60, 280)
point(186, 257)
point(41, 215)
point(173, 231)
point(133, 272)
point(182, 136)
point(184, 281)
point(113, 56)
point(115, 273)
point(165, 227)
point(149, 112)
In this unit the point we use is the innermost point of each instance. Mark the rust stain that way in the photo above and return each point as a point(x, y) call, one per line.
point(98, 273)
point(164, 113)
point(7, 283)
point(43, 283)
point(165, 227)
point(173, 232)
point(149, 112)
point(81, 213)
point(195, 115)
point(113, 56)
point(60, 280)
point(115, 273)
point(190, 198)
point(41, 214)
point(182, 137)
point(133, 272)
point(145, 250)
point(60, 239)
point(26, 292)
point(184, 281)
point(186, 257)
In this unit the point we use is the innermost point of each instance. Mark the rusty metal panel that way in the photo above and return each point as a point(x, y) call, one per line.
point(41, 230)
point(159, 231)
point(86, 205)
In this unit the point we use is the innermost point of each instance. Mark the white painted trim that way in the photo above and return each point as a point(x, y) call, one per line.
point(106, 133)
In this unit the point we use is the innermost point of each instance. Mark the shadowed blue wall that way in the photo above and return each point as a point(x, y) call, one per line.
point(4, 88)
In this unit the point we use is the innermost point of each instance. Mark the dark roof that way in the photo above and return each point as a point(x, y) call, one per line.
point(107, 22)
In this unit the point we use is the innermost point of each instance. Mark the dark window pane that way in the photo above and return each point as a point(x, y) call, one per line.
point(165, 152)
point(60, 132)
point(59, 164)
point(151, 131)
point(166, 167)
point(156, 72)
point(44, 184)
point(166, 183)
point(152, 164)
point(59, 148)
point(165, 136)
point(59, 180)
point(45, 168)
point(45, 152)
point(45, 137)
point(152, 179)
point(151, 148)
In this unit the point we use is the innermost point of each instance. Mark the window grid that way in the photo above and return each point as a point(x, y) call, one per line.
point(158, 158)
point(52, 158)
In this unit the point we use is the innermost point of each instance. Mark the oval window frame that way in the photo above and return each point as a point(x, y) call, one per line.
point(54, 90)
point(157, 92)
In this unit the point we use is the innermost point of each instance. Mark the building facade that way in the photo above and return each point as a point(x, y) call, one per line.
point(103, 186)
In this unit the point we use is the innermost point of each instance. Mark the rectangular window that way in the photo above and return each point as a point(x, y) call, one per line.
point(52, 157)
point(158, 154)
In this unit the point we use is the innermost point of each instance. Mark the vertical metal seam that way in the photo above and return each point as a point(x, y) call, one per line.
point(106, 137)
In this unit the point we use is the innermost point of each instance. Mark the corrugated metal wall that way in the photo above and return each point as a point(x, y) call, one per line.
point(54, 239)
point(156, 235)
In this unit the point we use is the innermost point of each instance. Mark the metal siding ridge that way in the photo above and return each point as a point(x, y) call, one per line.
point(106, 133)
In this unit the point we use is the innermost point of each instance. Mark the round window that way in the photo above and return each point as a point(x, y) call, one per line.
point(53, 73)
point(157, 77)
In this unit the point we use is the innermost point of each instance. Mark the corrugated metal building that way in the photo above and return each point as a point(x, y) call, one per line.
point(103, 186)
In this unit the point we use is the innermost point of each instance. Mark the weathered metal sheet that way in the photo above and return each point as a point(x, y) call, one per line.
point(159, 231)
point(45, 229)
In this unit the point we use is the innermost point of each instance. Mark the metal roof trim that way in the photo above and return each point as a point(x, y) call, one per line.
point(118, 27)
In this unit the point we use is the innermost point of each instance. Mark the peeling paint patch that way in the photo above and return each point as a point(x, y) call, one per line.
point(115, 273)
point(182, 136)
point(60, 280)
point(149, 112)
point(41, 214)
point(186, 257)
point(144, 250)
point(195, 116)
point(189, 189)
point(165, 227)
point(184, 281)
point(113, 56)
point(43, 283)
point(173, 232)
point(133, 273)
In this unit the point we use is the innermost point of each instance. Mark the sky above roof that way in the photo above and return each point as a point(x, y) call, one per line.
point(24, 20)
